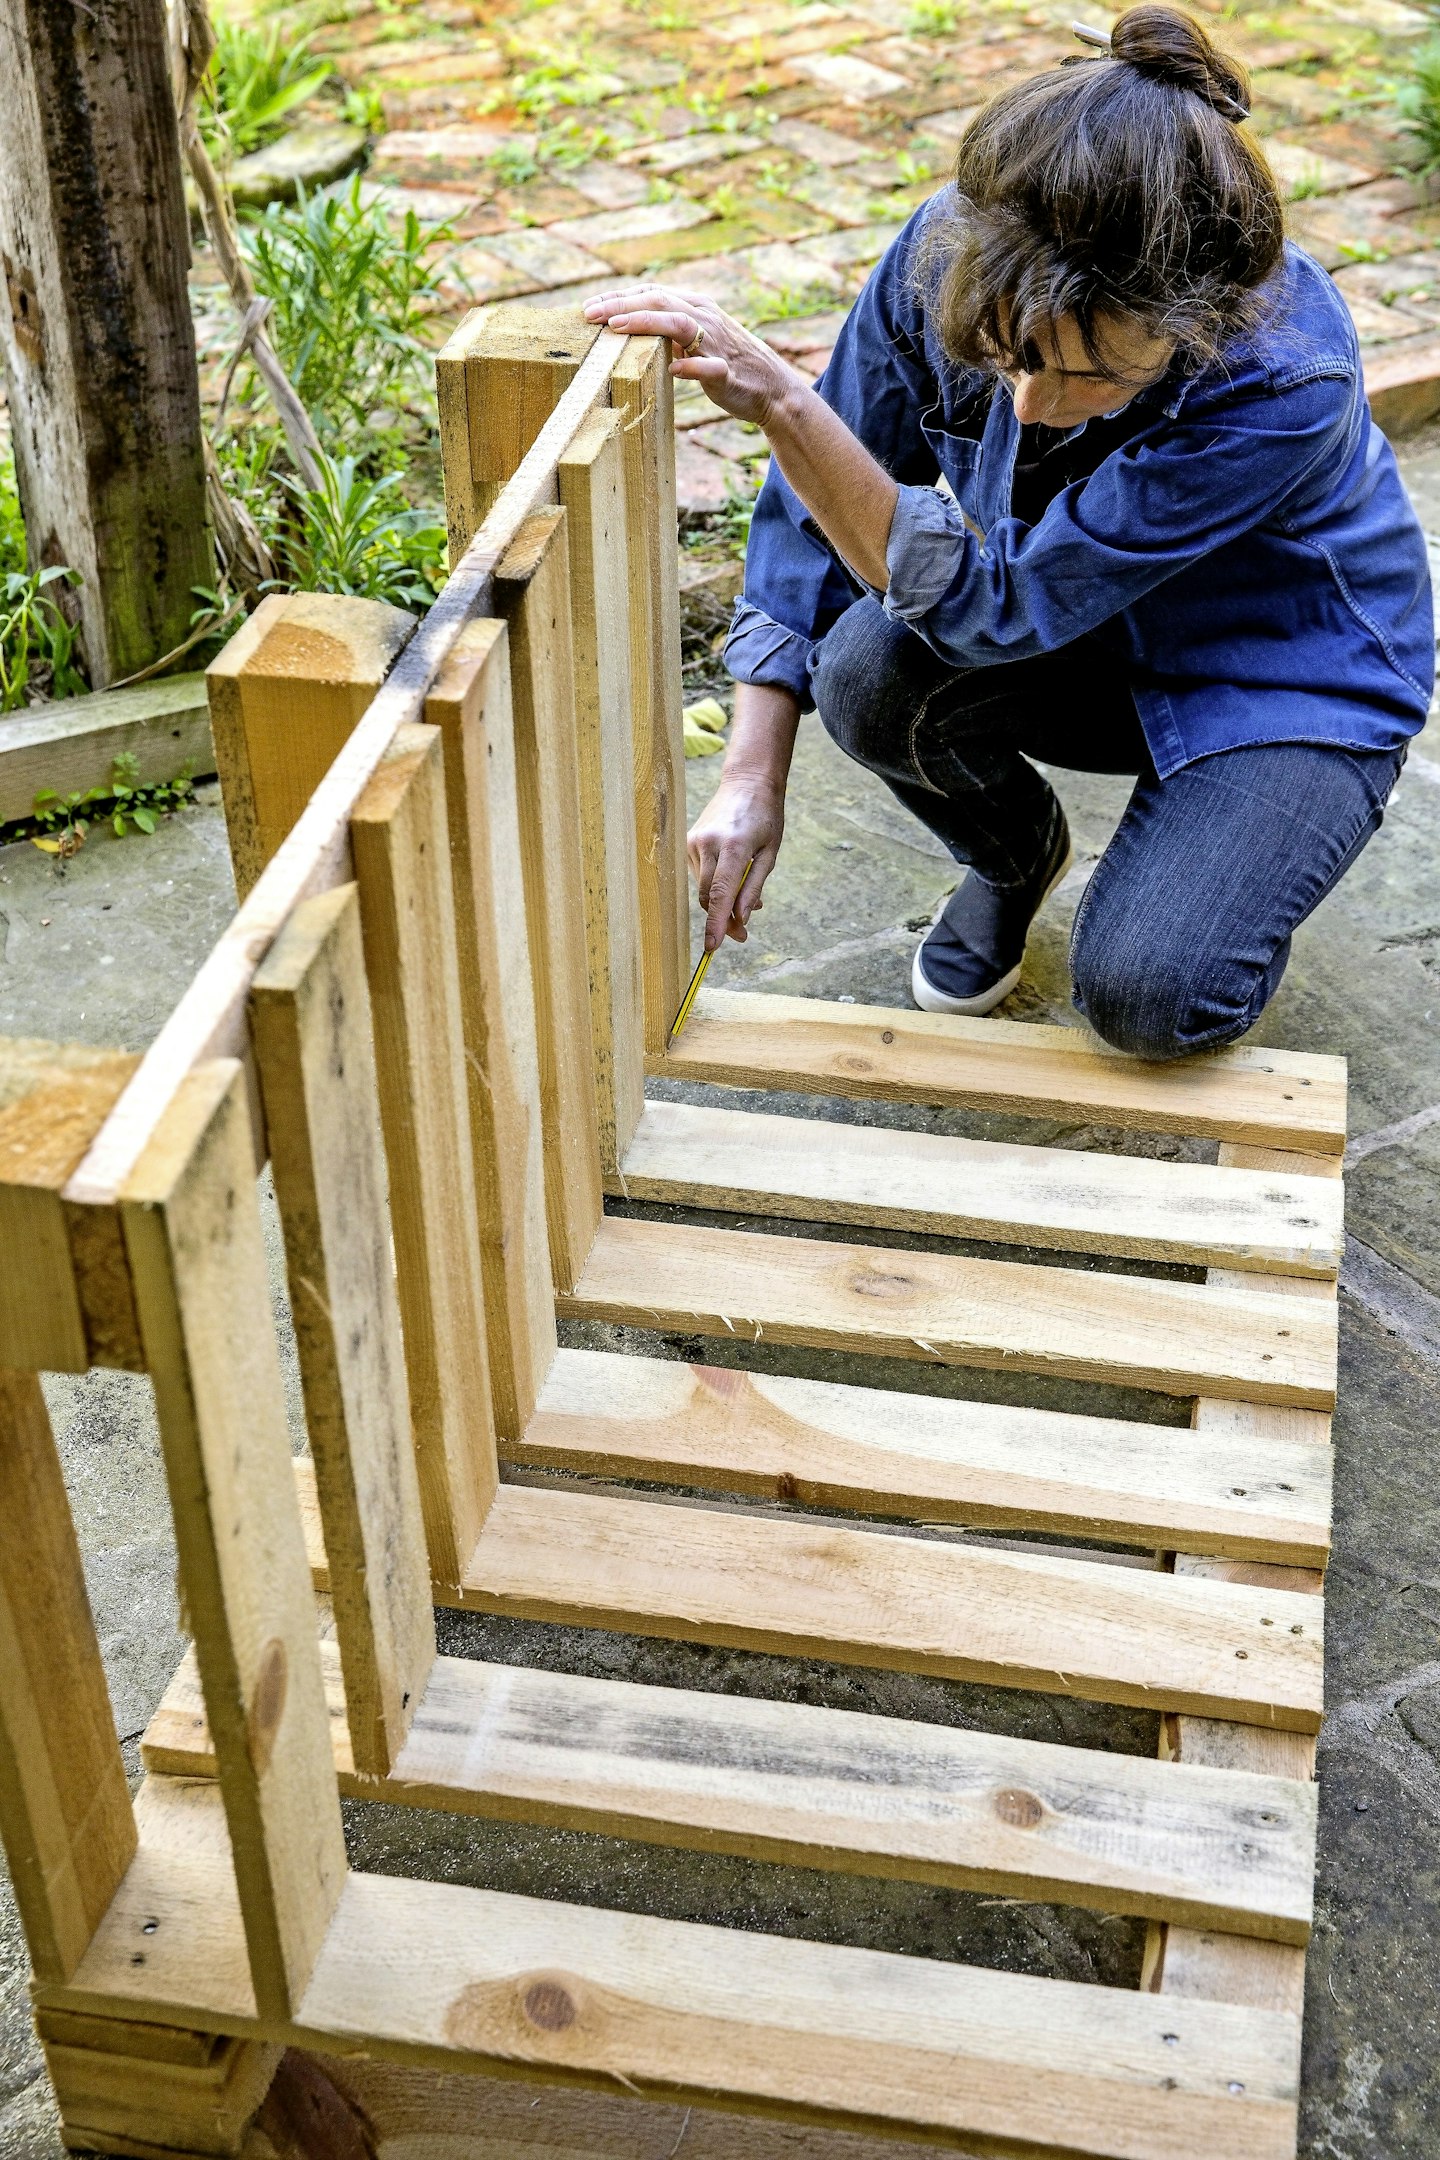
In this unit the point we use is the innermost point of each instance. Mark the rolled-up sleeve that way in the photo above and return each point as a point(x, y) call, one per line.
point(760, 650)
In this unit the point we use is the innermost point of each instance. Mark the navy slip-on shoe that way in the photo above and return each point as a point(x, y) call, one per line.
point(972, 957)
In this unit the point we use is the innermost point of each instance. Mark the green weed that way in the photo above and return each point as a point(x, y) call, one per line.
point(356, 536)
point(933, 18)
point(1417, 105)
point(37, 642)
point(125, 803)
point(351, 290)
point(257, 79)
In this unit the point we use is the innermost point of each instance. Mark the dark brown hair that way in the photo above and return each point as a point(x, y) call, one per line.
point(1120, 186)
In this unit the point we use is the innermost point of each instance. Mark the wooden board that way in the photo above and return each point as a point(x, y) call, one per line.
point(72, 744)
point(1184, 1338)
point(826, 1788)
point(476, 1979)
point(192, 1229)
point(968, 1612)
point(532, 591)
point(1279, 1098)
point(65, 1816)
point(1197, 1962)
point(471, 706)
point(54, 1098)
point(402, 861)
point(312, 1024)
point(498, 378)
point(592, 490)
point(641, 389)
point(285, 694)
point(880, 1452)
point(210, 1019)
point(1193, 1214)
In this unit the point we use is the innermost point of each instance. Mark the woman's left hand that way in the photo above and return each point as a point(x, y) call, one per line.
point(734, 368)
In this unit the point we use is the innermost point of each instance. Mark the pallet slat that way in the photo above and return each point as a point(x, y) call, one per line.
point(928, 1458)
point(958, 1611)
point(1182, 1338)
point(809, 1169)
point(480, 1979)
point(826, 1788)
point(1270, 1098)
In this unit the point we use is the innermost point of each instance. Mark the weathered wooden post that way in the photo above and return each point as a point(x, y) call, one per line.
point(98, 344)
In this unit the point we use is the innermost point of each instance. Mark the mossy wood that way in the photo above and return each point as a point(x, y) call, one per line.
point(432, 1013)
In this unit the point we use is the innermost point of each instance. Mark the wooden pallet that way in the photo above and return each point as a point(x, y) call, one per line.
point(462, 933)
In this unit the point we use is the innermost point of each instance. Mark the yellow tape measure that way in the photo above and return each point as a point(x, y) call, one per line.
point(699, 975)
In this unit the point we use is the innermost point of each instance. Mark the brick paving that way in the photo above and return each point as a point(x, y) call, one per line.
point(766, 155)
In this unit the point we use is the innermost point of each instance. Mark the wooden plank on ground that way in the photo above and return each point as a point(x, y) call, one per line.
point(641, 389)
point(1276, 1098)
point(71, 745)
point(402, 861)
point(192, 1228)
point(471, 706)
point(210, 1020)
point(532, 590)
point(987, 1465)
point(1193, 1214)
point(592, 490)
point(54, 1098)
point(481, 1980)
point(285, 695)
point(65, 1816)
point(962, 1611)
point(1183, 1338)
point(826, 1788)
point(310, 1011)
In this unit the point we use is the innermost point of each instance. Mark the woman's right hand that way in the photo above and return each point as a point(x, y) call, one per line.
point(743, 822)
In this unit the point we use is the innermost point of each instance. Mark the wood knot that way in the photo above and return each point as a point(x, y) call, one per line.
point(1021, 1810)
point(548, 2003)
point(786, 1487)
point(267, 1704)
point(851, 1061)
point(872, 1282)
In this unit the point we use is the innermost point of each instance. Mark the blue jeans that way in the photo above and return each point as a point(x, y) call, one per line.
point(1184, 930)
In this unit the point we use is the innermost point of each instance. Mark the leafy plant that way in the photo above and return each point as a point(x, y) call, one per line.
point(933, 18)
point(125, 803)
point(351, 288)
point(1417, 103)
point(37, 642)
point(356, 536)
point(12, 524)
point(257, 79)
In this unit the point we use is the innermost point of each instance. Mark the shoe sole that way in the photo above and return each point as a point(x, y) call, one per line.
point(931, 1000)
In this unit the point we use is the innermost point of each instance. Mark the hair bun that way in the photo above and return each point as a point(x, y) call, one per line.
point(1171, 47)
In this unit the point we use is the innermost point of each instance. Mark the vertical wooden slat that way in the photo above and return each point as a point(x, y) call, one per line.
point(310, 1017)
point(65, 1814)
point(471, 706)
point(401, 847)
point(592, 490)
point(642, 391)
point(284, 695)
point(532, 591)
point(498, 378)
point(1190, 1961)
point(192, 1230)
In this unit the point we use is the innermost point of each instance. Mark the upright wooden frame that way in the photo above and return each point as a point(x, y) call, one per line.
point(430, 1013)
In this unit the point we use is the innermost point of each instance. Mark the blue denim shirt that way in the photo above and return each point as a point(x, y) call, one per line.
point(1249, 551)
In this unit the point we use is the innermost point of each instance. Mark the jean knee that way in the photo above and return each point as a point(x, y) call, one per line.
point(862, 686)
point(1158, 1003)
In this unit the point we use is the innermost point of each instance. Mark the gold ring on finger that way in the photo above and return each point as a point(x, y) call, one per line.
point(696, 342)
